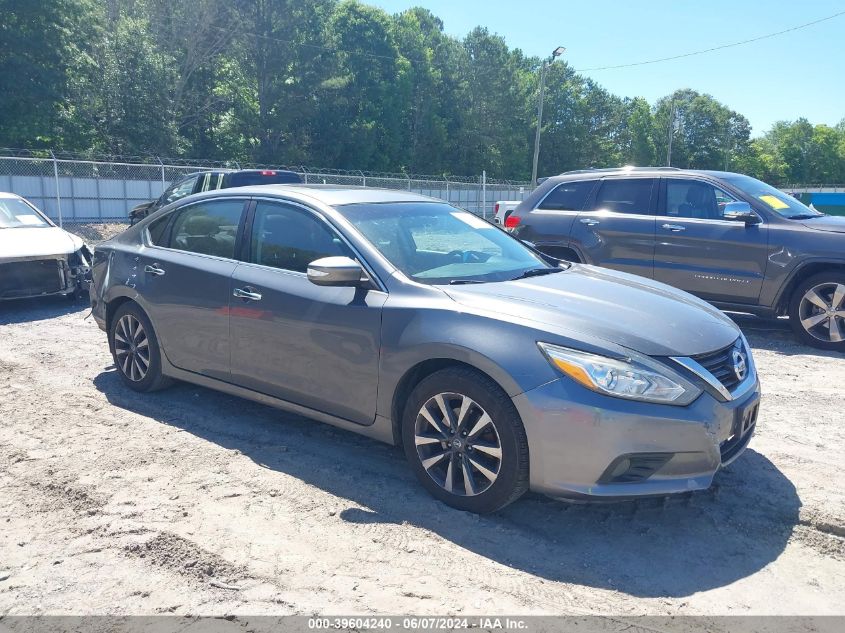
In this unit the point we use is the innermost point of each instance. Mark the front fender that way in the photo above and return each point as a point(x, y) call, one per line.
point(507, 352)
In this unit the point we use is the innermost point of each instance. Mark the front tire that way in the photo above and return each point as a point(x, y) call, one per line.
point(817, 311)
point(135, 349)
point(465, 441)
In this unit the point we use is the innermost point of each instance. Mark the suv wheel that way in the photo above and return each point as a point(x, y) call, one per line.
point(135, 349)
point(465, 441)
point(817, 311)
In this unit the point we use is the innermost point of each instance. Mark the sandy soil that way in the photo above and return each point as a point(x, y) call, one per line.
point(192, 502)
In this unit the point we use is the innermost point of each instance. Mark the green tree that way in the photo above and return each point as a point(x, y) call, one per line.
point(360, 110)
point(45, 45)
point(134, 112)
point(640, 148)
point(705, 133)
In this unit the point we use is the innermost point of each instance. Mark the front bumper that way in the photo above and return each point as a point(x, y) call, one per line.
point(43, 276)
point(586, 445)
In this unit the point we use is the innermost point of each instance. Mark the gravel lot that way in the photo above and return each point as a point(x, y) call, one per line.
point(192, 502)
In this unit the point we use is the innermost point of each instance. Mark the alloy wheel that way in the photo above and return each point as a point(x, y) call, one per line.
point(132, 348)
point(458, 444)
point(822, 314)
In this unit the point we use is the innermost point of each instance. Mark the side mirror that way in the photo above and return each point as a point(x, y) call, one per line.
point(337, 271)
point(740, 212)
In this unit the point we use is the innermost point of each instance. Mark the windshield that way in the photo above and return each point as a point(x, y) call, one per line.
point(437, 243)
point(775, 199)
point(15, 213)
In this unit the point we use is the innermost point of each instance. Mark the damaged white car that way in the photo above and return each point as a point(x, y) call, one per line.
point(37, 258)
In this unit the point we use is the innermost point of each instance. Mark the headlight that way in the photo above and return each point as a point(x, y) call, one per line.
point(635, 379)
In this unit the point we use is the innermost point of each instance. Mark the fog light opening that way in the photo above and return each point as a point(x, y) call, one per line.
point(634, 467)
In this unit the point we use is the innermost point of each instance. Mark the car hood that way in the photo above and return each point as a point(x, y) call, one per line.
point(36, 241)
point(830, 223)
point(637, 313)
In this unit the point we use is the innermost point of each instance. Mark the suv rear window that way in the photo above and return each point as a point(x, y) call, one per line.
point(625, 195)
point(568, 196)
point(263, 177)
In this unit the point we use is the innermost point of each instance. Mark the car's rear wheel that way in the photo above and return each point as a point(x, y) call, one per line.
point(465, 441)
point(817, 311)
point(135, 349)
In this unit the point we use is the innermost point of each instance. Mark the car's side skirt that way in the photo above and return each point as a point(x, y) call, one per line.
point(381, 429)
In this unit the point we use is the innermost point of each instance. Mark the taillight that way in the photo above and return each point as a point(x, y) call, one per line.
point(511, 222)
point(496, 208)
point(268, 172)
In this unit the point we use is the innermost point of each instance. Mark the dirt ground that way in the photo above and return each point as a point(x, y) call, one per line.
point(188, 501)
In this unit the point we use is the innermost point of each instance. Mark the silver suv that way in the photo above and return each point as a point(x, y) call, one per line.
point(730, 239)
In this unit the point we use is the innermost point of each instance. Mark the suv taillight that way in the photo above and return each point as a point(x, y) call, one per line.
point(511, 222)
point(268, 172)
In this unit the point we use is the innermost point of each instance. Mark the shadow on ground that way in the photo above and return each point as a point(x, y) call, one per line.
point(775, 335)
point(674, 547)
point(39, 309)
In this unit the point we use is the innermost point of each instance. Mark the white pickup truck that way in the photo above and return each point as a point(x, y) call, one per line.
point(502, 209)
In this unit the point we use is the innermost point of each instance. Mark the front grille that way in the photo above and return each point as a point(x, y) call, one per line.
point(29, 278)
point(721, 365)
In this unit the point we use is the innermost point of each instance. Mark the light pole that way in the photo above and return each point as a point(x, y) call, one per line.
point(546, 63)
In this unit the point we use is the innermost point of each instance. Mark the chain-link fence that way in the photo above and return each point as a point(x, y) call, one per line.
point(93, 197)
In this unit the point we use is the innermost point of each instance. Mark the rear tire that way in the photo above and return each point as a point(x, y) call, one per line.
point(817, 311)
point(465, 441)
point(135, 350)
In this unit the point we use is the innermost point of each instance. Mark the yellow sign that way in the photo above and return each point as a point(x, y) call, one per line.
point(774, 202)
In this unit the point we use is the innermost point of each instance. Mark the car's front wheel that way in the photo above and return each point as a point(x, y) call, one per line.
point(817, 311)
point(135, 349)
point(465, 441)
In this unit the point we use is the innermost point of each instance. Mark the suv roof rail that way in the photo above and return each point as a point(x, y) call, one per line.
point(595, 170)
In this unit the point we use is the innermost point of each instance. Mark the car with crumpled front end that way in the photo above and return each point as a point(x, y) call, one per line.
point(411, 321)
point(37, 258)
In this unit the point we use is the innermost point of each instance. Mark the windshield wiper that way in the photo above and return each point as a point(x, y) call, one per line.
point(459, 282)
point(804, 216)
point(537, 272)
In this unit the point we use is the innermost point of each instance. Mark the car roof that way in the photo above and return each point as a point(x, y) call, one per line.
point(331, 195)
point(6, 195)
point(229, 170)
point(590, 174)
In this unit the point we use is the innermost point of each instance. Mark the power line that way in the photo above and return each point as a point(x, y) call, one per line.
point(715, 48)
point(330, 49)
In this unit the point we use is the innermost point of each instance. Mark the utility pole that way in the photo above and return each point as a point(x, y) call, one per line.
point(546, 63)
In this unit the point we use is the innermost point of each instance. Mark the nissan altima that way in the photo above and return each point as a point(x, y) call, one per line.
point(406, 319)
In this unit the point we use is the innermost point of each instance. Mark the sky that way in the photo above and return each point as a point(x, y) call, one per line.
point(797, 74)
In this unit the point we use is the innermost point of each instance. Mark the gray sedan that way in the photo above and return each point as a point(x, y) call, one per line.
point(408, 320)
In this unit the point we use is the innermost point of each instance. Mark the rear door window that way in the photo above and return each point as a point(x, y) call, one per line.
point(157, 230)
point(208, 228)
point(625, 195)
point(568, 196)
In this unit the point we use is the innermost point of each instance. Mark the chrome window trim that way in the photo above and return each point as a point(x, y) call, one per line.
point(739, 391)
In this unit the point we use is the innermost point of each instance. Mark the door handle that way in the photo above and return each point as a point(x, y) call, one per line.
point(675, 228)
point(589, 221)
point(154, 270)
point(246, 293)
